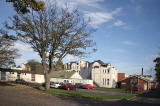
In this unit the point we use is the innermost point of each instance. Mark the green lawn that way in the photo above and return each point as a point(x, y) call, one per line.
point(110, 89)
point(79, 94)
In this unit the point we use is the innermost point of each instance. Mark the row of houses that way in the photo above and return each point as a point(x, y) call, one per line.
point(95, 73)
point(102, 74)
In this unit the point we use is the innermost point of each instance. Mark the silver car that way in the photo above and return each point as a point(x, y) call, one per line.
point(55, 84)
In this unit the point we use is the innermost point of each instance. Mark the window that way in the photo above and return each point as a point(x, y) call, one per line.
point(33, 77)
point(107, 81)
point(18, 75)
point(96, 66)
point(108, 71)
point(3, 75)
point(103, 81)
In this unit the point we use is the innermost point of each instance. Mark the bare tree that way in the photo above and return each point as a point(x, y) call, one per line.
point(7, 52)
point(53, 33)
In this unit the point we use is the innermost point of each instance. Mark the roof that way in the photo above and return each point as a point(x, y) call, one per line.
point(61, 74)
point(142, 78)
point(19, 71)
point(101, 62)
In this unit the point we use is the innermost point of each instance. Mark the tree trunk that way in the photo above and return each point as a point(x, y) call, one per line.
point(47, 81)
point(46, 74)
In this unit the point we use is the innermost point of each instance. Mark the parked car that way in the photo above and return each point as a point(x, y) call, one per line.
point(21, 81)
point(55, 84)
point(69, 86)
point(79, 85)
point(87, 86)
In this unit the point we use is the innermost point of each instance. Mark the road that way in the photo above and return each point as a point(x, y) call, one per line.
point(17, 95)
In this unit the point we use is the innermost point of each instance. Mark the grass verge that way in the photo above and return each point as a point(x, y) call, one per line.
point(110, 89)
point(79, 94)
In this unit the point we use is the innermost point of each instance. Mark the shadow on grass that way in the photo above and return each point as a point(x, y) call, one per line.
point(85, 101)
point(6, 83)
point(97, 102)
point(151, 94)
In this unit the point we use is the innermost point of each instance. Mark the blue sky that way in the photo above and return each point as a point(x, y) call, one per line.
point(127, 35)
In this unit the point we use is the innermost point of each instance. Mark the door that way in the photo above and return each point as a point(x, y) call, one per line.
point(3, 75)
point(18, 76)
point(145, 86)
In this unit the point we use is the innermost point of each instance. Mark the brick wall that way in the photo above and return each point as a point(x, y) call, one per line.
point(121, 76)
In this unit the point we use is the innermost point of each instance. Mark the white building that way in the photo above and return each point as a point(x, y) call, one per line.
point(69, 77)
point(104, 75)
point(12, 75)
point(82, 67)
point(21, 67)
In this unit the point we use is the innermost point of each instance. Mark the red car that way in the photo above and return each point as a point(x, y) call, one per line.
point(69, 86)
point(87, 86)
point(138, 89)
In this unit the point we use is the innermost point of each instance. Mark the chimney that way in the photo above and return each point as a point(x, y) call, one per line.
point(142, 72)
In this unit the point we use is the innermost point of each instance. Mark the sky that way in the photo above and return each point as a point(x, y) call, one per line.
point(127, 36)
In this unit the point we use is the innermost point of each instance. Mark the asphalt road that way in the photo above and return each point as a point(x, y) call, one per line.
point(11, 95)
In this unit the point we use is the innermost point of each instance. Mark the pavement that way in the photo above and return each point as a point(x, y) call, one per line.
point(20, 95)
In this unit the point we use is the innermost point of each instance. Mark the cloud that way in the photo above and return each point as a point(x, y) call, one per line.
point(119, 23)
point(98, 18)
point(22, 47)
point(129, 43)
point(76, 3)
point(20, 60)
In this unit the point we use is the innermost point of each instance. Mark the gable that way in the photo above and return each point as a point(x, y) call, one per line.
point(76, 75)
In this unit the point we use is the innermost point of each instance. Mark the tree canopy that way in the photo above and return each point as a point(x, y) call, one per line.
point(157, 69)
point(54, 33)
point(35, 66)
point(7, 51)
point(23, 6)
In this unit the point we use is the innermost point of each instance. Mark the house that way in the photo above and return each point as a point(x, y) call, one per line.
point(137, 81)
point(103, 74)
point(81, 66)
point(69, 77)
point(121, 76)
point(29, 76)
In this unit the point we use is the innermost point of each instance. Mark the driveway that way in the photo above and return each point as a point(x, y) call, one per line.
point(18, 95)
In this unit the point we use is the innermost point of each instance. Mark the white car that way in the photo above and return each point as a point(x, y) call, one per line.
point(54, 84)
